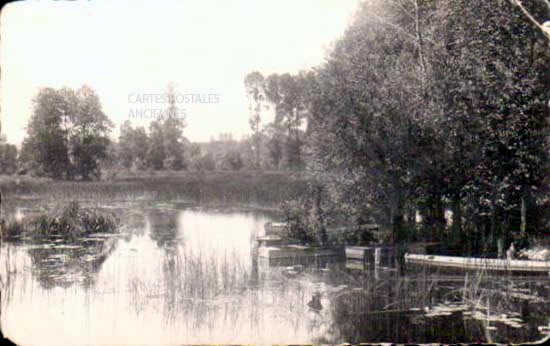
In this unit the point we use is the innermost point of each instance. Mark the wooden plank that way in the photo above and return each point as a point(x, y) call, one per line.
point(297, 251)
point(479, 263)
point(358, 252)
point(274, 228)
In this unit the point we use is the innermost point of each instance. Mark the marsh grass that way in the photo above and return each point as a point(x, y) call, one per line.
point(222, 188)
point(69, 221)
point(419, 306)
point(193, 277)
point(8, 271)
point(202, 288)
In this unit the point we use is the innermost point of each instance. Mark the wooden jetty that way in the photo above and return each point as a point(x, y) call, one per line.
point(272, 250)
point(473, 263)
point(376, 255)
point(274, 228)
point(269, 240)
point(287, 255)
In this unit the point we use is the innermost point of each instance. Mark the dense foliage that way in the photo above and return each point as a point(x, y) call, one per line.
point(8, 157)
point(427, 106)
point(67, 134)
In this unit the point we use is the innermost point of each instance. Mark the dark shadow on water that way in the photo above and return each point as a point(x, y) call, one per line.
point(405, 309)
point(164, 227)
point(62, 263)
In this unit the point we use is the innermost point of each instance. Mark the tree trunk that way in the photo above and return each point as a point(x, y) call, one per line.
point(398, 236)
point(397, 222)
point(523, 225)
point(457, 219)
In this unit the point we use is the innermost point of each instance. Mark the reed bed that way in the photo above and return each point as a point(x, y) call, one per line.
point(8, 271)
point(69, 221)
point(199, 288)
point(256, 188)
point(404, 301)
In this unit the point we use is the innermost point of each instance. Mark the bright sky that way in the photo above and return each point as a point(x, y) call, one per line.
point(125, 49)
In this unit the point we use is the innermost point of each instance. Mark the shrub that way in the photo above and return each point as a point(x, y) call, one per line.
point(295, 215)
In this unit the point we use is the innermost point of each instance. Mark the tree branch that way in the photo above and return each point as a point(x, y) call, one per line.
point(400, 29)
point(531, 18)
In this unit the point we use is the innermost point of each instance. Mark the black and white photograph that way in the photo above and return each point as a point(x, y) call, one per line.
point(260, 172)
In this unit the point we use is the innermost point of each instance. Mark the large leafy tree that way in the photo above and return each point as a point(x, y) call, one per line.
point(288, 95)
point(254, 84)
point(46, 147)
point(490, 76)
point(366, 122)
point(126, 153)
point(67, 134)
point(133, 145)
point(89, 133)
point(172, 129)
point(166, 138)
point(423, 104)
point(156, 153)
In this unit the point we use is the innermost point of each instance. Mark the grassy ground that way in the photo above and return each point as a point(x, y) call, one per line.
point(266, 189)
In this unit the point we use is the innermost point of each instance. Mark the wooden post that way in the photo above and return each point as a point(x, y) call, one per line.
point(523, 225)
point(365, 261)
point(377, 256)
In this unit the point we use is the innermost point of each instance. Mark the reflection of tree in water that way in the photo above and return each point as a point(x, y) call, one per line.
point(133, 223)
point(57, 263)
point(164, 228)
point(380, 311)
point(203, 292)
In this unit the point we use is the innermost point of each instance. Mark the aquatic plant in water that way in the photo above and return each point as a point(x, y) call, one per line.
point(69, 221)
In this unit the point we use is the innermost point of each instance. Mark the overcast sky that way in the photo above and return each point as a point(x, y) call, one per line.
point(123, 50)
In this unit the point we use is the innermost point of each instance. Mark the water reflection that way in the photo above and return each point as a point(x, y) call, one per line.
point(189, 275)
point(163, 227)
point(59, 263)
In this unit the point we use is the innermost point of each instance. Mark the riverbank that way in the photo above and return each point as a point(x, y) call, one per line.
point(260, 188)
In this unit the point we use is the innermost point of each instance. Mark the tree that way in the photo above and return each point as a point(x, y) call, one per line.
point(274, 144)
point(67, 133)
point(289, 95)
point(365, 126)
point(8, 157)
point(88, 135)
point(156, 153)
point(133, 145)
point(422, 103)
point(46, 147)
point(125, 145)
point(254, 84)
point(494, 95)
point(232, 160)
point(172, 130)
point(544, 27)
point(140, 145)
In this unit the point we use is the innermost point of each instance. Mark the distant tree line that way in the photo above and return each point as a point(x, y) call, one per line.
point(424, 107)
point(68, 137)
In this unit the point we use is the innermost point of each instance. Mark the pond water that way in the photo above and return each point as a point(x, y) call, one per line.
point(180, 274)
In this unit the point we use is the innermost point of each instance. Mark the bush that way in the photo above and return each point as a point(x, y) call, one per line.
point(10, 229)
point(203, 163)
point(295, 215)
point(358, 235)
